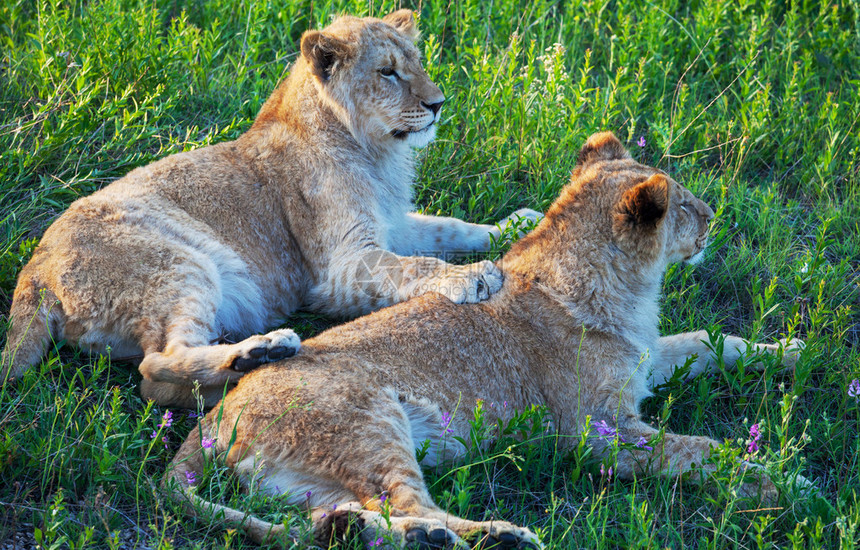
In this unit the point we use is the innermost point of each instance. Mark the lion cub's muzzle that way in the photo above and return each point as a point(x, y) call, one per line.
point(707, 218)
point(434, 108)
point(702, 240)
point(421, 121)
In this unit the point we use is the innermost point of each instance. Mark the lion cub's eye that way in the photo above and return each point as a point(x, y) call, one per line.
point(388, 72)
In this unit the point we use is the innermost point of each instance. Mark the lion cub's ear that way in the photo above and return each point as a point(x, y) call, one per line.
point(601, 146)
point(403, 21)
point(324, 52)
point(644, 205)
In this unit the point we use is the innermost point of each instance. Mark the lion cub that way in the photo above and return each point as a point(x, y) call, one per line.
point(311, 208)
point(340, 422)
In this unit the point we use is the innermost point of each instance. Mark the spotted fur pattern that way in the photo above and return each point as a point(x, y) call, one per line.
point(221, 243)
point(574, 328)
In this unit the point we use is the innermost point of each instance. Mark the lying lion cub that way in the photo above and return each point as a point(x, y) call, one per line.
point(224, 242)
point(339, 424)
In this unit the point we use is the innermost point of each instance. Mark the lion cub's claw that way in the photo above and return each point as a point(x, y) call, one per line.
point(266, 348)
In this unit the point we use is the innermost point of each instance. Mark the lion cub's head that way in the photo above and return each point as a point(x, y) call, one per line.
point(369, 72)
point(615, 215)
point(651, 214)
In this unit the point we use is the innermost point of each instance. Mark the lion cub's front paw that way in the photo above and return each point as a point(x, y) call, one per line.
point(791, 351)
point(523, 219)
point(758, 485)
point(265, 348)
point(469, 284)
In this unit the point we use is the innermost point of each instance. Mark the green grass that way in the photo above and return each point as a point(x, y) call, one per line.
point(751, 104)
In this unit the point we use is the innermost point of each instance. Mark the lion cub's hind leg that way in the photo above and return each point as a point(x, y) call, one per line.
point(396, 505)
point(33, 313)
point(362, 446)
point(432, 530)
point(169, 374)
point(177, 342)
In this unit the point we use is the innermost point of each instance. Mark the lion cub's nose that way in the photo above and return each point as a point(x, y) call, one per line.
point(434, 106)
point(708, 214)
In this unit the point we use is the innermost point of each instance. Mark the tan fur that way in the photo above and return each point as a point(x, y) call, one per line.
point(343, 418)
point(224, 242)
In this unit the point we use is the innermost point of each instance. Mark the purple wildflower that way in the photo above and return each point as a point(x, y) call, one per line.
point(506, 404)
point(605, 429)
point(377, 542)
point(755, 437)
point(607, 432)
point(755, 432)
point(308, 495)
point(207, 442)
point(154, 434)
point(642, 444)
point(854, 389)
point(191, 478)
point(334, 507)
point(446, 422)
point(641, 141)
point(166, 420)
point(604, 472)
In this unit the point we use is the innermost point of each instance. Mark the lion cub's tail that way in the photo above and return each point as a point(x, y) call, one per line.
point(186, 467)
point(34, 313)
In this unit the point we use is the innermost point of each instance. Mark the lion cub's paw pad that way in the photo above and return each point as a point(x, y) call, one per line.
point(504, 541)
point(266, 348)
point(280, 352)
point(420, 539)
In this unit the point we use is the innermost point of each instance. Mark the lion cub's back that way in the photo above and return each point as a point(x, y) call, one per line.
point(427, 346)
point(192, 220)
